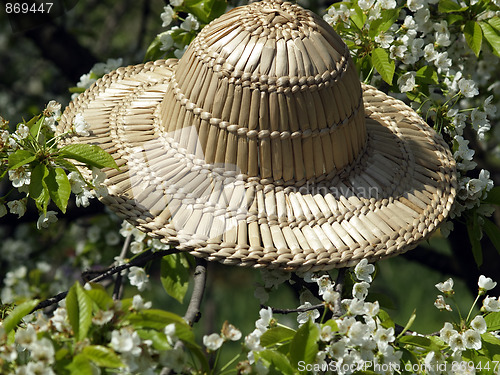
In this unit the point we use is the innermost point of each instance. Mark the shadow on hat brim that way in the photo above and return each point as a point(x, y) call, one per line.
point(395, 194)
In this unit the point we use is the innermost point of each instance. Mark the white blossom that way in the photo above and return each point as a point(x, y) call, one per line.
point(457, 342)
point(17, 207)
point(383, 336)
point(230, 332)
point(303, 317)
point(387, 4)
point(472, 339)
point(415, 5)
point(491, 304)
point(166, 40)
point(442, 62)
point(486, 283)
point(42, 351)
point(360, 290)
point(102, 317)
point(265, 319)
point(167, 16)
point(174, 358)
point(190, 23)
point(138, 277)
point(479, 324)
point(23, 131)
point(406, 82)
point(468, 88)
point(176, 3)
point(447, 332)
point(138, 303)
point(213, 341)
point(446, 286)
point(326, 333)
point(27, 336)
point(489, 109)
point(46, 219)
point(170, 333)
point(126, 341)
point(365, 4)
point(385, 40)
point(20, 176)
point(363, 271)
point(80, 126)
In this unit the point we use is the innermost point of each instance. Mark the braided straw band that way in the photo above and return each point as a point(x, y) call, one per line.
point(395, 193)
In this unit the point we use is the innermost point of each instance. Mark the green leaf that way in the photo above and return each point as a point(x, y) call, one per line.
point(154, 50)
point(38, 188)
point(175, 275)
point(102, 356)
point(420, 341)
point(16, 315)
point(19, 158)
point(205, 10)
point(491, 36)
point(276, 362)
point(304, 345)
point(448, 6)
point(473, 36)
point(474, 232)
point(158, 339)
point(80, 365)
point(384, 65)
point(409, 324)
point(427, 75)
point(383, 23)
point(155, 319)
point(100, 297)
point(89, 154)
point(493, 321)
point(59, 187)
point(358, 17)
point(276, 335)
point(35, 128)
point(493, 196)
point(491, 347)
point(493, 232)
point(79, 307)
point(495, 22)
point(385, 319)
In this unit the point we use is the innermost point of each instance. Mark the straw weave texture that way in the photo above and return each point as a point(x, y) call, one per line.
point(261, 148)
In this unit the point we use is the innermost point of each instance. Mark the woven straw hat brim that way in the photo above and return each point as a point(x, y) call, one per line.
point(396, 192)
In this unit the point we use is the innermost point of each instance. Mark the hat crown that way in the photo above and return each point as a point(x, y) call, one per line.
point(271, 90)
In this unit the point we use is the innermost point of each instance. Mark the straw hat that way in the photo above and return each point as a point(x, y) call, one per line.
point(260, 147)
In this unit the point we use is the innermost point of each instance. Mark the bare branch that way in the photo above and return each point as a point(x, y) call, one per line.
point(138, 261)
point(297, 310)
point(118, 290)
point(339, 288)
point(200, 278)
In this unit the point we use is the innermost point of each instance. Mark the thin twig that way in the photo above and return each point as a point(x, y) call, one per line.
point(138, 261)
point(118, 289)
point(200, 279)
point(339, 288)
point(297, 310)
point(192, 314)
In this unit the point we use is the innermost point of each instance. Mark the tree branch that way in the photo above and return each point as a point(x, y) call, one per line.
point(200, 279)
point(138, 261)
point(339, 288)
point(118, 290)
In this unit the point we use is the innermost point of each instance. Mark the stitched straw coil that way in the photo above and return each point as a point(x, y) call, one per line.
point(261, 148)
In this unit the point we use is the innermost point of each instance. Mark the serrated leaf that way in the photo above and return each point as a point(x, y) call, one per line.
point(91, 155)
point(493, 321)
point(100, 297)
point(358, 17)
point(491, 36)
point(80, 365)
point(205, 10)
point(493, 233)
point(19, 158)
point(276, 335)
point(59, 187)
point(175, 275)
point(79, 307)
point(304, 345)
point(474, 36)
point(16, 315)
point(38, 188)
point(474, 232)
point(383, 64)
point(428, 75)
point(448, 6)
point(495, 22)
point(278, 362)
point(102, 356)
